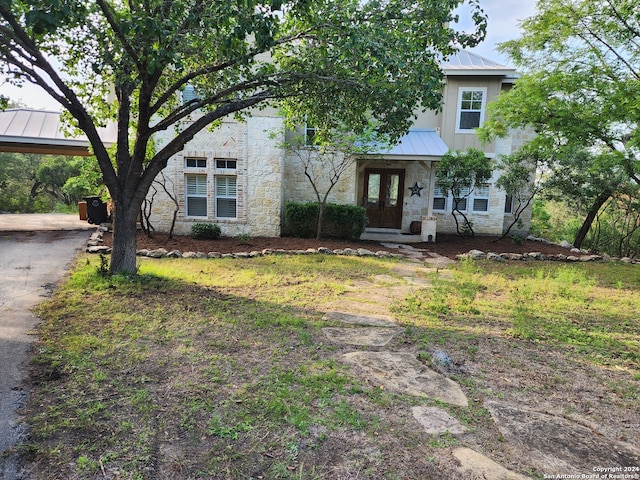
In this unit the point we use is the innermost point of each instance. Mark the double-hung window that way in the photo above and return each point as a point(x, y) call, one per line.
point(439, 199)
point(196, 195)
point(471, 103)
point(508, 204)
point(462, 201)
point(481, 198)
point(226, 196)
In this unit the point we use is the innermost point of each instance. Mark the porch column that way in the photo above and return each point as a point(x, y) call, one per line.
point(428, 222)
point(432, 187)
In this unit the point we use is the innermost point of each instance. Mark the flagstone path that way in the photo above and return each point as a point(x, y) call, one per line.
point(551, 444)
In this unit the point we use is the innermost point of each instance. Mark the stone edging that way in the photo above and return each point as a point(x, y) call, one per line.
point(94, 245)
point(578, 256)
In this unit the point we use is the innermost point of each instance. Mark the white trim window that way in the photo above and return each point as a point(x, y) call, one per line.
point(195, 162)
point(462, 201)
point(196, 195)
point(439, 199)
point(471, 102)
point(481, 198)
point(226, 196)
point(309, 135)
point(508, 204)
point(226, 164)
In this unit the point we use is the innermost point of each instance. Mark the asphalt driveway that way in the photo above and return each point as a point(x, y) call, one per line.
point(35, 252)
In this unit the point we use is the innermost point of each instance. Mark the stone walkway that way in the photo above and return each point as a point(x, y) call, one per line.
point(551, 444)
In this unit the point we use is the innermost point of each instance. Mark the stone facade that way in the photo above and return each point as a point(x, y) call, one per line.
point(246, 154)
point(247, 162)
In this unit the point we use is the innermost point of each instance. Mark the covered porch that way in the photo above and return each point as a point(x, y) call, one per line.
point(396, 187)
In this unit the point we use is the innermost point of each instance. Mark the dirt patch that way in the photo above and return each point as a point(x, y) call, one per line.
point(447, 245)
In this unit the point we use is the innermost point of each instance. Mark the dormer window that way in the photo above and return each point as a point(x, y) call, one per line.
point(471, 103)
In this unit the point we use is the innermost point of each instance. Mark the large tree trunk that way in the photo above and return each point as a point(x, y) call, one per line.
point(591, 215)
point(123, 253)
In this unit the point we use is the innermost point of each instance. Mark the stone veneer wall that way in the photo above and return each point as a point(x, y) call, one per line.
point(298, 188)
point(254, 145)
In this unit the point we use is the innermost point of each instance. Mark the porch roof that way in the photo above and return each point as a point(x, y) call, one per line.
point(416, 144)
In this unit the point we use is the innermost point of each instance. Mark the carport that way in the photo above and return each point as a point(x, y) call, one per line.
point(43, 132)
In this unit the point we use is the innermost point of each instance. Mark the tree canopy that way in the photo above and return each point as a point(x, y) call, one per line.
point(580, 87)
point(581, 82)
point(333, 60)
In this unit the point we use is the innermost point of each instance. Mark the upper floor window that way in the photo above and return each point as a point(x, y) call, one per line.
point(470, 109)
point(191, 162)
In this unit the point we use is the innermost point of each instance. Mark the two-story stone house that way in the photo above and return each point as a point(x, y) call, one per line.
point(239, 175)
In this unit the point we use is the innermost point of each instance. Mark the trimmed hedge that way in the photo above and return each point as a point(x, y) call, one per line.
point(340, 221)
point(208, 231)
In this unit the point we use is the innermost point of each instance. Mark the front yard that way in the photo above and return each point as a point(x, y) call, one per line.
point(220, 369)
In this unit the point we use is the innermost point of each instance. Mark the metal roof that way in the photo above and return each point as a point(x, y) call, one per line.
point(468, 63)
point(417, 143)
point(40, 131)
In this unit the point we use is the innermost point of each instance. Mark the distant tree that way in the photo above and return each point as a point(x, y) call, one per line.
point(340, 61)
point(458, 174)
point(585, 182)
point(580, 91)
point(51, 176)
point(87, 181)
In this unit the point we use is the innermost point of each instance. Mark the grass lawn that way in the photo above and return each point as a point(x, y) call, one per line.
point(219, 368)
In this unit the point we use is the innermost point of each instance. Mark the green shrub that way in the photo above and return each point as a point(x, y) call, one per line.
point(209, 231)
point(340, 221)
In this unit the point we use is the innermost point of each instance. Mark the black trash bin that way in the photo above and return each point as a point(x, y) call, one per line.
point(96, 210)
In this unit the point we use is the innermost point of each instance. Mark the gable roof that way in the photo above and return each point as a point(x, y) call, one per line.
point(41, 131)
point(469, 63)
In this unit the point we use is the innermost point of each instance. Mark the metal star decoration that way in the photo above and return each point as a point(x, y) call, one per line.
point(415, 190)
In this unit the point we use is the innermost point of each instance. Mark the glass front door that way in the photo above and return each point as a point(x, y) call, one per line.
point(383, 197)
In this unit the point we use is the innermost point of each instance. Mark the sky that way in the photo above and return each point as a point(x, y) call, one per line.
point(504, 20)
point(504, 17)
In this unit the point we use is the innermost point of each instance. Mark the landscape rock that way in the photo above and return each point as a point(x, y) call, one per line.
point(364, 337)
point(556, 445)
point(158, 253)
point(437, 421)
point(475, 466)
point(403, 373)
point(174, 254)
point(98, 249)
point(365, 320)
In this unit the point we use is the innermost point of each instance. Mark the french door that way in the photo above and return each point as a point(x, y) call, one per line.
point(383, 190)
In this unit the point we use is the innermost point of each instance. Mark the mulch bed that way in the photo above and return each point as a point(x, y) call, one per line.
point(446, 245)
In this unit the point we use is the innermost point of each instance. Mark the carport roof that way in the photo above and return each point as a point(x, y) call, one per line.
point(40, 131)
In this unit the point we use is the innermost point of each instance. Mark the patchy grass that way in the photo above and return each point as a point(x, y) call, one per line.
point(219, 368)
